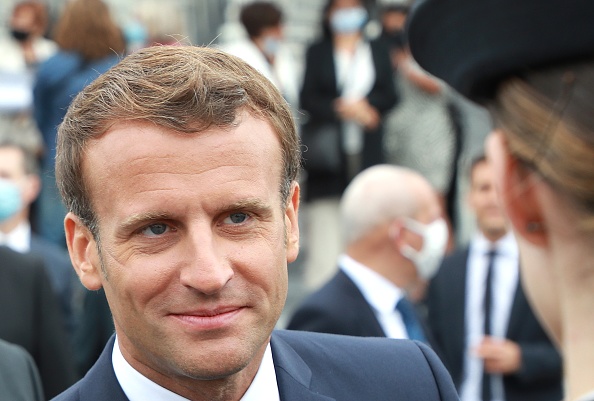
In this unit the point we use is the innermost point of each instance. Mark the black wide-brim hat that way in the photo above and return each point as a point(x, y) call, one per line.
point(473, 44)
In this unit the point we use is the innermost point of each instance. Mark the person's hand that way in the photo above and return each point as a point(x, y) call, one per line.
point(359, 111)
point(500, 356)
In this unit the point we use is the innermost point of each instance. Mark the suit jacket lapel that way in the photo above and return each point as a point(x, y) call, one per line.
point(519, 311)
point(292, 373)
point(101, 382)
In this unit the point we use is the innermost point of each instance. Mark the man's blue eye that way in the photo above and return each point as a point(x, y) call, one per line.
point(237, 218)
point(155, 229)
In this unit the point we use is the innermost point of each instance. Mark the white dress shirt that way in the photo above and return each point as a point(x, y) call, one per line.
point(138, 387)
point(19, 239)
point(504, 285)
point(380, 293)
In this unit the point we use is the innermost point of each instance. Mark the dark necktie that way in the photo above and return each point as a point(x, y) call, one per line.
point(487, 308)
point(411, 322)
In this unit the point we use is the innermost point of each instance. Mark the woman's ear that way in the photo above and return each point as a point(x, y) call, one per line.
point(517, 187)
point(83, 252)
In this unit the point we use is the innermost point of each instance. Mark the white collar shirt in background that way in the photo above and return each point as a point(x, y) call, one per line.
point(138, 387)
point(380, 293)
point(19, 239)
point(505, 282)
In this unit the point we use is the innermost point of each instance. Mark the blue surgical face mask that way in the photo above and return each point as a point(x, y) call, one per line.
point(10, 199)
point(270, 46)
point(348, 20)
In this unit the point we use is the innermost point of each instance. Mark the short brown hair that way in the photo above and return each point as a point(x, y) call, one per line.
point(259, 15)
point(184, 88)
point(86, 27)
point(547, 119)
point(39, 11)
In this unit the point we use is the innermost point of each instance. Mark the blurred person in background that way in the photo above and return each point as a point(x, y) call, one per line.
point(531, 63)
point(29, 312)
point(90, 43)
point(263, 48)
point(486, 332)
point(419, 132)
point(22, 51)
point(19, 378)
point(395, 238)
point(348, 83)
point(20, 145)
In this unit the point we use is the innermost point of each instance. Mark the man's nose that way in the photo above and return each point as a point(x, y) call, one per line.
point(208, 269)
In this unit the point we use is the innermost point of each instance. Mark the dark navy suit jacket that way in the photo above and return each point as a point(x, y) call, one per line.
point(61, 273)
point(539, 378)
point(339, 307)
point(320, 367)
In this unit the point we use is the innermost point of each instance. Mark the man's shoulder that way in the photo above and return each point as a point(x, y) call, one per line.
point(303, 340)
point(354, 368)
point(330, 351)
point(333, 296)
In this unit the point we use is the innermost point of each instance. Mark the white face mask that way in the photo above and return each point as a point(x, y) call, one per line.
point(435, 238)
point(271, 46)
point(348, 20)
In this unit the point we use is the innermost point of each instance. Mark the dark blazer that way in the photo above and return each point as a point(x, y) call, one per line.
point(339, 307)
point(319, 367)
point(539, 378)
point(30, 317)
point(61, 274)
point(19, 379)
point(318, 93)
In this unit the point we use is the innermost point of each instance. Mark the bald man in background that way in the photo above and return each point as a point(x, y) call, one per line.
point(394, 239)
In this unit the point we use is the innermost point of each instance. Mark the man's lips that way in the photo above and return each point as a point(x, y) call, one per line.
point(208, 319)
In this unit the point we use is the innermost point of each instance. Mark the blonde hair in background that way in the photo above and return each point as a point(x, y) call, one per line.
point(548, 120)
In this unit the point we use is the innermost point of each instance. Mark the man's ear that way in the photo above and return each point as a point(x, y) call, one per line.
point(83, 252)
point(292, 223)
point(397, 233)
point(518, 190)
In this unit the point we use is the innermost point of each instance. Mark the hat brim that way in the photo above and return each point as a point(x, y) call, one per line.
point(473, 44)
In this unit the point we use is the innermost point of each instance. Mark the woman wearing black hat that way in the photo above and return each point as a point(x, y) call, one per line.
point(532, 64)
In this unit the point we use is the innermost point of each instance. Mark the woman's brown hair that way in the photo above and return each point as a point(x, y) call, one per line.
point(86, 27)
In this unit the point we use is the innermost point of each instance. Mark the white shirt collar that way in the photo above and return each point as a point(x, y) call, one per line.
point(379, 292)
point(506, 246)
point(138, 387)
point(19, 239)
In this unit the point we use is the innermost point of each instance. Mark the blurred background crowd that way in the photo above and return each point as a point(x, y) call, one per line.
point(353, 73)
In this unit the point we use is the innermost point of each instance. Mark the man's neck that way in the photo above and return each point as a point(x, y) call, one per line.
point(493, 236)
point(7, 226)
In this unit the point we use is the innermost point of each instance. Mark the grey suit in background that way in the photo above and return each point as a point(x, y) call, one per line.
point(19, 379)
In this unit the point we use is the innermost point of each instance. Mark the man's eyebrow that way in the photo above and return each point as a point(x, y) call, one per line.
point(250, 203)
point(135, 219)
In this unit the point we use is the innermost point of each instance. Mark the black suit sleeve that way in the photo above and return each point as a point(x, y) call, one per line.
point(54, 355)
point(540, 362)
point(319, 91)
point(383, 95)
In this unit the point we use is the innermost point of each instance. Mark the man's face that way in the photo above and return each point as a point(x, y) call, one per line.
point(484, 202)
point(195, 244)
point(12, 167)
